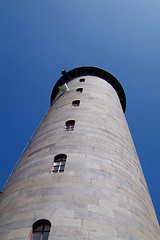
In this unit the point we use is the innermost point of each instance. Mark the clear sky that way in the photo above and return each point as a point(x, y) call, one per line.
point(40, 38)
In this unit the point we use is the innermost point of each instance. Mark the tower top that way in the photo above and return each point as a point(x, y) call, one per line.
point(92, 71)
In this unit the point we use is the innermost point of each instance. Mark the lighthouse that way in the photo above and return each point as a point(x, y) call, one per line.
point(80, 176)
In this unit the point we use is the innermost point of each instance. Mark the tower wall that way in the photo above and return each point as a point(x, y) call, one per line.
point(102, 193)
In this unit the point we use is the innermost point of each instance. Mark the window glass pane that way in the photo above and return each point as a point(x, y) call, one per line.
point(39, 228)
point(63, 163)
point(56, 163)
point(36, 236)
point(76, 103)
point(45, 236)
point(47, 228)
point(55, 169)
point(62, 168)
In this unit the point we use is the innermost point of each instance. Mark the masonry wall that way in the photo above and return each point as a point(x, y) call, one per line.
point(102, 193)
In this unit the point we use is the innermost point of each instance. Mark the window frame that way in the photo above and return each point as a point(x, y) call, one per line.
point(39, 223)
point(69, 125)
point(76, 103)
point(82, 80)
point(61, 159)
point(80, 90)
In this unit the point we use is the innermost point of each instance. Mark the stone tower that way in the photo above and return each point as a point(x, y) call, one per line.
point(80, 177)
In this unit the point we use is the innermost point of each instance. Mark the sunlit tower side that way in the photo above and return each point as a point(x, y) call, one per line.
point(80, 177)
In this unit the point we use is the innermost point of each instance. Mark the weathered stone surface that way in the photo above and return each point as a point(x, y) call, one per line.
point(102, 194)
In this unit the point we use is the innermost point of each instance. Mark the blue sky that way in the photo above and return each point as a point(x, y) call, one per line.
point(40, 38)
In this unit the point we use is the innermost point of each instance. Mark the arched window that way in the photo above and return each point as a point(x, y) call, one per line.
point(69, 126)
point(41, 230)
point(79, 90)
point(59, 163)
point(82, 79)
point(75, 103)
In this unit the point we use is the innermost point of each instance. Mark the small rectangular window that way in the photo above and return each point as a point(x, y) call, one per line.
point(79, 90)
point(82, 80)
point(76, 103)
point(69, 125)
point(59, 163)
point(41, 230)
